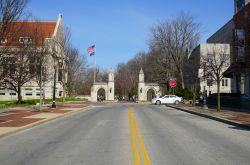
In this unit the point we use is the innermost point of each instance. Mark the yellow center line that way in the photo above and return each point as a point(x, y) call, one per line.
point(136, 137)
point(133, 138)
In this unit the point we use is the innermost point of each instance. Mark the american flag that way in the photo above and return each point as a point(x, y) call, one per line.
point(91, 50)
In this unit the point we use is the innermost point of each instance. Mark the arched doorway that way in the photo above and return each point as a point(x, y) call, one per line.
point(101, 94)
point(150, 94)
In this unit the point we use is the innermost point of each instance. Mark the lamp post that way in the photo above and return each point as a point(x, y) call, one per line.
point(205, 99)
point(204, 91)
point(54, 91)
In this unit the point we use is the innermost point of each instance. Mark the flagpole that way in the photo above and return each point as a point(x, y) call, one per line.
point(95, 65)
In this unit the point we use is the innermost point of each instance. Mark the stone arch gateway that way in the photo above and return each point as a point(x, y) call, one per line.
point(146, 91)
point(145, 88)
point(150, 94)
point(107, 87)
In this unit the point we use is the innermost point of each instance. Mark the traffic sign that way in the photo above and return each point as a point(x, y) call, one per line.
point(172, 83)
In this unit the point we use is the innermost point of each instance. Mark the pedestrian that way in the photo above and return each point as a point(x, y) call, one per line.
point(201, 99)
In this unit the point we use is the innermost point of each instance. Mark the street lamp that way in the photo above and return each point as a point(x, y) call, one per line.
point(205, 99)
point(204, 91)
point(54, 90)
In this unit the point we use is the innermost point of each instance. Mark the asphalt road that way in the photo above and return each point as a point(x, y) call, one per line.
point(124, 134)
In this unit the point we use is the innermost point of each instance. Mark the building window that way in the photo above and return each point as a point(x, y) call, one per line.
point(12, 93)
point(3, 40)
point(60, 93)
point(28, 94)
point(28, 91)
point(224, 82)
point(240, 43)
point(60, 72)
point(37, 94)
point(209, 82)
point(25, 40)
point(2, 91)
point(240, 4)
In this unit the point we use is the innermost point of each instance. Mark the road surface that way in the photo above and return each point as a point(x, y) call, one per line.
point(127, 134)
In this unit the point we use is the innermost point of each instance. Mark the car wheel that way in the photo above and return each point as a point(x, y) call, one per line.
point(158, 102)
point(176, 102)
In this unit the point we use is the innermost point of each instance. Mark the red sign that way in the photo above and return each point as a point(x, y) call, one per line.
point(172, 83)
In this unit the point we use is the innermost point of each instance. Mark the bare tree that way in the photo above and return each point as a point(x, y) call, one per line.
point(76, 65)
point(214, 64)
point(10, 10)
point(60, 46)
point(85, 81)
point(126, 76)
point(40, 62)
point(173, 38)
point(19, 67)
point(191, 69)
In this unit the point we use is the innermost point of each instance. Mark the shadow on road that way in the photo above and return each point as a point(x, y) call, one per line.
point(239, 128)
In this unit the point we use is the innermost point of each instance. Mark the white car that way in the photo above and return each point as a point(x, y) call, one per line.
point(167, 99)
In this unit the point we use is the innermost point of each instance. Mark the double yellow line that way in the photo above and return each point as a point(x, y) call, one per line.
point(138, 146)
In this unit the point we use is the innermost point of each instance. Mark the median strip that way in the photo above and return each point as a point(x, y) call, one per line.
point(138, 146)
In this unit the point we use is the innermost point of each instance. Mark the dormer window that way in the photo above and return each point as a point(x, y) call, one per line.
point(25, 40)
point(3, 40)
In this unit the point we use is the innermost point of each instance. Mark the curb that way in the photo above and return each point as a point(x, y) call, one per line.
point(19, 129)
point(222, 120)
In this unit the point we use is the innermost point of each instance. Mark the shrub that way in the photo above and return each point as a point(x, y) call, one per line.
point(231, 100)
point(28, 102)
point(185, 93)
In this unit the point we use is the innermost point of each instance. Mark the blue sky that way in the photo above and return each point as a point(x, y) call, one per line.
point(121, 28)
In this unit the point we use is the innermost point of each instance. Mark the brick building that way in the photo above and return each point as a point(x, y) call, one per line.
point(240, 62)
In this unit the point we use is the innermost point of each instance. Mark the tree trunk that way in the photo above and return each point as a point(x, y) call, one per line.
point(19, 96)
point(64, 86)
point(218, 96)
point(194, 95)
point(182, 79)
point(40, 88)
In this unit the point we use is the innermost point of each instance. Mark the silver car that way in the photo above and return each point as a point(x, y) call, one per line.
point(167, 99)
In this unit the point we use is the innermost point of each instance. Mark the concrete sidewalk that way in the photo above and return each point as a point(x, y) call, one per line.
point(238, 119)
point(19, 118)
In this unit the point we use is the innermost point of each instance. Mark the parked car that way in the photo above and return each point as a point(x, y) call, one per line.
point(167, 99)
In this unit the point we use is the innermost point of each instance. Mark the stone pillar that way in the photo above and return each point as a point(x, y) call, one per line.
point(141, 85)
point(93, 94)
point(111, 86)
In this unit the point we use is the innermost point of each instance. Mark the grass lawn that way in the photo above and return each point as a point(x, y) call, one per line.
point(12, 103)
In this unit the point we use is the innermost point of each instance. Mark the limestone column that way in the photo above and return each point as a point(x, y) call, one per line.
point(111, 86)
point(141, 85)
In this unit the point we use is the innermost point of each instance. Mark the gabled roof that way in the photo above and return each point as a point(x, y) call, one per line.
point(38, 31)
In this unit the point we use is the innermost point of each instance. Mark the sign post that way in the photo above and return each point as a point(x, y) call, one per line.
point(172, 84)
